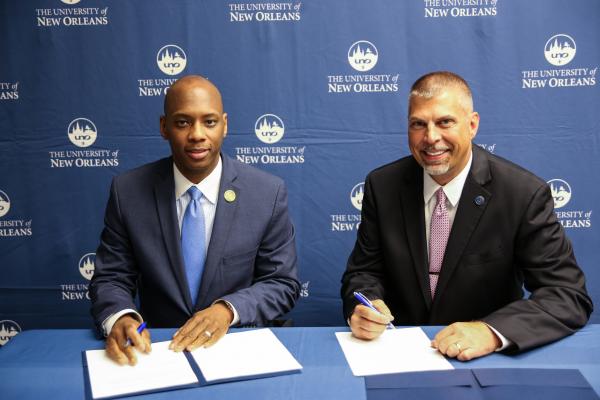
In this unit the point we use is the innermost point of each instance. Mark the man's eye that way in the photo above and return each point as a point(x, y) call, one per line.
point(181, 123)
point(417, 124)
point(211, 122)
point(446, 122)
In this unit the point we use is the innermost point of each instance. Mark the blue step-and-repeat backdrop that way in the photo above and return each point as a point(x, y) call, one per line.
point(316, 93)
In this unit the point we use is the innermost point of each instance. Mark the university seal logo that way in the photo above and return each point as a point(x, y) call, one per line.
point(561, 192)
point(560, 50)
point(363, 56)
point(82, 132)
point(87, 264)
point(171, 59)
point(269, 128)
point(356, 195)
point(8, 330)
point(4, 204)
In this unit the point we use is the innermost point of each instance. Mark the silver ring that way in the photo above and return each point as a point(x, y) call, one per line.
point(458, 346)
point(207, 334)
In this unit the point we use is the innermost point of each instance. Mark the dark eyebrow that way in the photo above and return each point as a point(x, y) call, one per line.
point(179, 115)
point(185, 115)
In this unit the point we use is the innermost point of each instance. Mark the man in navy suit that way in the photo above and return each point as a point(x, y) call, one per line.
point(249, 275)
point(465, 262)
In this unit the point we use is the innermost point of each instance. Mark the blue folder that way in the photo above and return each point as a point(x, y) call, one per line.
point(482, 384)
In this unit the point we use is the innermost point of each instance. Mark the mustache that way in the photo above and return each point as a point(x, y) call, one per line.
point(436, 148)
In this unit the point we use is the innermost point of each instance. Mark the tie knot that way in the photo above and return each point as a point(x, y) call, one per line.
point(195, 193)
point(440, 196)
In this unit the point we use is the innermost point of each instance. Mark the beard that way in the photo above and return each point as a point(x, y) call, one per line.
point(437, 169)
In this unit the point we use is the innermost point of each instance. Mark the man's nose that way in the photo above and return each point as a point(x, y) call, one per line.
point(196, 132)
point(432, 134)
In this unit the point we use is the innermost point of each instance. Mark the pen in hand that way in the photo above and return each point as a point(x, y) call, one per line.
point(139, 330)
point(367, 303)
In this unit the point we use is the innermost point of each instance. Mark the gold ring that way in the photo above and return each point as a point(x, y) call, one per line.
point(207, 334)
point(458, 346)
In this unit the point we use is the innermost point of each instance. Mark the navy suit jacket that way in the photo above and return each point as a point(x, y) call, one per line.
point(510, 239)
point(251, 258)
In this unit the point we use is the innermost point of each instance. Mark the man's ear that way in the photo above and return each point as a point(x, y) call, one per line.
point(163, 127)
point(474, 124)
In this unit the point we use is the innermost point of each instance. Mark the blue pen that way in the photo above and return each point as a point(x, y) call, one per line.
point(139, 330)
point(367, 303)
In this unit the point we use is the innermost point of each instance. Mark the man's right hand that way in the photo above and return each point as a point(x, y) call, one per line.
point(126, 328)
point(368, 324)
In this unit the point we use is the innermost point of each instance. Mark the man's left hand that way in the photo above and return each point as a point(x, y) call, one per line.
point(466, 340)
point(205, 328)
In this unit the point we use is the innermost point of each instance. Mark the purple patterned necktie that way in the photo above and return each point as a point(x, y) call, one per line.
point(438, 238)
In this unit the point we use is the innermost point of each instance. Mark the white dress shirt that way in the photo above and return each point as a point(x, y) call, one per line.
point(453, 191)
point(209, 187)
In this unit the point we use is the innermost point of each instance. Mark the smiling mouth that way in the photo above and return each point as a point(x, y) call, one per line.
point(434, 156)
point(434, 153)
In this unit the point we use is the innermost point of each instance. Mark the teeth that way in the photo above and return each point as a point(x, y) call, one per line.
point(435, 153)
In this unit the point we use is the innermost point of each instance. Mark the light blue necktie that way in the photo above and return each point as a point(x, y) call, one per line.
point(192, 242)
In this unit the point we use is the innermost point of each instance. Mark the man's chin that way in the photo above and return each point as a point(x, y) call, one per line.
point(435, 170)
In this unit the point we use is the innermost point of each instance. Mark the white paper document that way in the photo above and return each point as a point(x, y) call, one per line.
point(162, 368)
point(252, 353)
point(396, 350)
point(237, 356)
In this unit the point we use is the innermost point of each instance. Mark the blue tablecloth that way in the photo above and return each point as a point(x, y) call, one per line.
point(47, 364)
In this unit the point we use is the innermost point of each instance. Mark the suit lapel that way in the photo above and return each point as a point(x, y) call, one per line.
point(224, 217)
point(164, 194)
point(413, 213)
point(470, 209)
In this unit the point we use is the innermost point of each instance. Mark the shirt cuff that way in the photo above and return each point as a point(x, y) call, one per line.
point(505, 342)
point(236, 317)
point(108, 323)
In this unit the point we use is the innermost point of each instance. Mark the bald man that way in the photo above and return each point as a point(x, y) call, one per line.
point(205, 242)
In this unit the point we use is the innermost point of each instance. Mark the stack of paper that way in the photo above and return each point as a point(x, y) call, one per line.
point(160, 369)
point(250, 354)
point(396, 350)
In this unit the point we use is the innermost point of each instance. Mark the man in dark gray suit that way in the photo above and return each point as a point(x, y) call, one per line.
point(246, 270)
point(451, 234)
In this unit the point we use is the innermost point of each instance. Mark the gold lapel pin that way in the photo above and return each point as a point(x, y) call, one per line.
point(229, 196)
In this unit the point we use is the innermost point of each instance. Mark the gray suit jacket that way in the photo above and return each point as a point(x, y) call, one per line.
point(251, 259)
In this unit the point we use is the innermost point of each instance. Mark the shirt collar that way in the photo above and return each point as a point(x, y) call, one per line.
point(209, 186)
point(452, 189)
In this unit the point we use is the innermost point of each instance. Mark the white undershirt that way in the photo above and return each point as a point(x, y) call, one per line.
point(209, 187)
